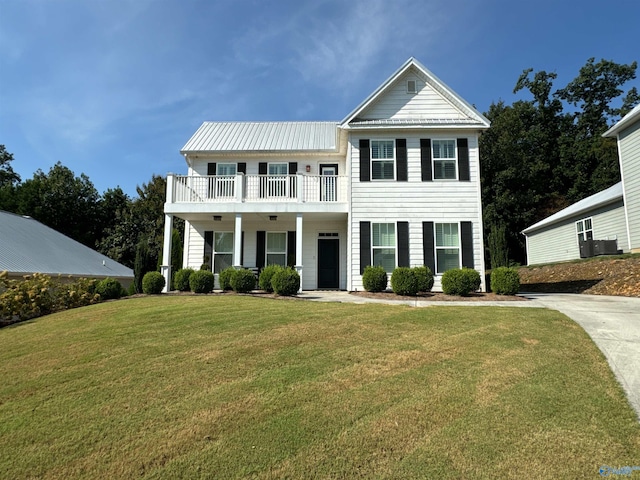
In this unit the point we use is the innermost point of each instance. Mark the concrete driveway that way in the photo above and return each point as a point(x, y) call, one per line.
point(614, 325)
point(612, 322)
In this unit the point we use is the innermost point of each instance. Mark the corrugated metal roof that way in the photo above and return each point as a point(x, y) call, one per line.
point(263, 137)
point(604, 197)
point(28, 246)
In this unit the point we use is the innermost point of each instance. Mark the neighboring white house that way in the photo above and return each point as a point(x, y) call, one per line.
point(28, 246)
point(612, 214)
point(396, 183)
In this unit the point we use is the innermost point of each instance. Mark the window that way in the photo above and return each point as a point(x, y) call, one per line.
point(584, 229)
point(382, 160)
point(411, 86)
point(277, 179)
point(222, 251)
point(383, 245)
point(444, 159)
point(447, 247)
point(225, 179)
point(277, 248)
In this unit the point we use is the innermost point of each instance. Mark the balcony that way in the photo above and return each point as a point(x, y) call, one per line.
point(321, 190)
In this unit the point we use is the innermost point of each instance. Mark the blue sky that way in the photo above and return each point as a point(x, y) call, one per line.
point(114, 88)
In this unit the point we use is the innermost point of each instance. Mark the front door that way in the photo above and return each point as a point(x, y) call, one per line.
point(328, 263)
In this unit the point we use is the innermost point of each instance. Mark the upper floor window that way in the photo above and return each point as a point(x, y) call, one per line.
point(383, 245)
point(382, 160)
point(585, 229)
point(447, 247)
point(226, 169)
point(444, 159)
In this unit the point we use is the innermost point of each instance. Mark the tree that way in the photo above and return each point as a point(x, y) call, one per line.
point(7, 176)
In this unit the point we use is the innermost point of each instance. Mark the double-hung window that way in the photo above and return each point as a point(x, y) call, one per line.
point(276, 248)
point(222, 251)
point(383, 245)
point(225, 179)
point(444, 159)
point(447, 247)
point(382, 160)
point(584, 229)
point(277, 179)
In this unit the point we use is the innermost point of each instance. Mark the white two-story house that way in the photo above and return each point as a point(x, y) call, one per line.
point(396, 183)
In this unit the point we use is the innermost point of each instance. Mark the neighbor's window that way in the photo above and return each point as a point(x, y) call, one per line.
point(444, 159)
point(447, 247)
point(277, 248)
point(383, 245)
point(585, 229)
point(382, 160)
point(222, 251)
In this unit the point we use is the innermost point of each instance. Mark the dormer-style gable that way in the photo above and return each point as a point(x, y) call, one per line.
point(414, 97)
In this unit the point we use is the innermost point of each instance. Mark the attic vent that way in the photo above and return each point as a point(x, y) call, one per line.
point(411, 86)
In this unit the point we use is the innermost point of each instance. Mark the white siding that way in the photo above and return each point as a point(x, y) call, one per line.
point(559, 242)
point(398, 104)
point(415, 201)
point(629, 145)
point(199, 166)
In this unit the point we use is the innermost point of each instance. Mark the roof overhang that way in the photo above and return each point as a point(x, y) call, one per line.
point(629, 119)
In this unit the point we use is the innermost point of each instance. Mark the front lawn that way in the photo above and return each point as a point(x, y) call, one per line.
point(234, 387)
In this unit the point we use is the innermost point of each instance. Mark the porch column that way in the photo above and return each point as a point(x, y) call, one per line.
point(165, 268)
point(237, 242)
point(299, 247)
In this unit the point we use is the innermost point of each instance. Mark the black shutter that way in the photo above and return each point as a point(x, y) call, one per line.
point(207, 258)
point(262, 170)
point(466, 235)
point(403, 244)
point(365, 161)
point(425, 159)
point(401, 160)
point(428, 247)
point(242, 167)
point(261, 247)
point(242, 249)
point(293, 168)
point(291, 247)
point(463, 160)
point(365, 245)
point(211, 168)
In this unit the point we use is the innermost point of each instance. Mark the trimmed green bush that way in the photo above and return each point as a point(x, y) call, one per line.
point(132, 289)
point(425, 278)
point(224, 278)
point(201, 281)
point(267, 273)
point(243, 281)
point(374, 279)
point(152, 283)
point(109, 288)
point(181, 279)
point(404, 281)
point(460, 281)
point(505, 281)
point(286, 282)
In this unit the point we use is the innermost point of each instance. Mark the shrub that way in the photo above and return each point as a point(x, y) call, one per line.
point(181, 279)
point(286, 282)
point(460, 281)
point(505, 281)
point(132, 289)
point(404, 281)
point(243, 281)
point(152, 283)
point(201, 281)
point(224, 278)
point(77, 294)
point(109, 288)
point(425, 278)
point(374, 279)
point(267, 273)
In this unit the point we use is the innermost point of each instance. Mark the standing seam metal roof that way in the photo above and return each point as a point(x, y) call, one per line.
point(27, 246)
point(263, 137)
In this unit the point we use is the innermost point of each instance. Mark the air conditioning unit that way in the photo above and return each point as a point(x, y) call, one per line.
point(586, 248)
point(605, 247)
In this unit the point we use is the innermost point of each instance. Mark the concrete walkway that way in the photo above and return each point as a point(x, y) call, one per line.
point(612, 322)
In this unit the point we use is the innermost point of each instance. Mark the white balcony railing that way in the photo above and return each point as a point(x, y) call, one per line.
point(258, 188)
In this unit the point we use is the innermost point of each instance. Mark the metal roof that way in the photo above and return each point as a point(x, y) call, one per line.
point(626, 121)
point(599, 199)
point(27, 246)
point(263, 137)
point(417, 122)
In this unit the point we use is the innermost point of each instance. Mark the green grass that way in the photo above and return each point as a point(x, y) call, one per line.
point(599, 258)
point(235, 387)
